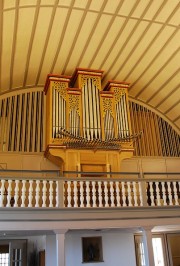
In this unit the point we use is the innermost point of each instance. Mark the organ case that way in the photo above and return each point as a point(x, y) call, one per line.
point(88, 128)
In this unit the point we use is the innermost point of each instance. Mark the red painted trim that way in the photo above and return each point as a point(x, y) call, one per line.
point(114, 83)
point(73, 89)
point(86, 71)
point(106, 92)
point(53, 77)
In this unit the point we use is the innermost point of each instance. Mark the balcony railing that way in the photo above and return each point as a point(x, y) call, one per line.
point(88, 192)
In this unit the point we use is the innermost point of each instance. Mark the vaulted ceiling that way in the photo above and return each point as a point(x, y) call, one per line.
point(137, 41)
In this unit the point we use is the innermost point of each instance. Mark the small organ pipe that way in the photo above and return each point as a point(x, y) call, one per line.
point(98, 111)
point(95, 111)
point(90, 108)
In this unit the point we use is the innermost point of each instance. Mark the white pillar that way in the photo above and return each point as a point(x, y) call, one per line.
point(60, 247)
point(149, 255)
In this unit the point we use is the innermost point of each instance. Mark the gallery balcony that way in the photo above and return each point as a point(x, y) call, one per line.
point(77, 190)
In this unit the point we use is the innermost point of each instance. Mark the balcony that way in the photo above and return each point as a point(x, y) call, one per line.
point(43, 189)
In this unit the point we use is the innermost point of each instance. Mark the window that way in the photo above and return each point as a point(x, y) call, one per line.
point(17, 257)
point(158, 251)
point(140, 254)
point(4, 255)
point(13, 252)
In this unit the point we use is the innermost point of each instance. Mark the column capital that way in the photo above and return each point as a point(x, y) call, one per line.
point(60, 231)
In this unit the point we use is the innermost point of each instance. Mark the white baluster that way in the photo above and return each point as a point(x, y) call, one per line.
point(106, 194)
point(81, 194)
point(16, 192)
point(9, 193)
point(37, 193)
point(175, 193)
point(75, 194)
point(69, 193)
point(23, 196)
point(140, 193)
point(87, 189)
point(164, 193)
point(117, 194)
point(112, 193)
point(151, 193)
point(158, 194)
point(94, 193)
point(135, 194)
point(170, 193)
point(50, 193)
point(100, 193)
point(129, 194)
point(44, 196)
point(123, 194)
point(30, 193)
point(2, 190)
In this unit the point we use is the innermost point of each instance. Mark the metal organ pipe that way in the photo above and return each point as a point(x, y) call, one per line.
point(91, 112)
point(59, 113)
point(95, 113)
point(122, 117)
point(97, 106)
point(90, 108)
point(125, 116)
point(86, 109)
point(74, 123)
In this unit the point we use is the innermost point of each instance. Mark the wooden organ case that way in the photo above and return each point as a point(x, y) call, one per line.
point(88, 128)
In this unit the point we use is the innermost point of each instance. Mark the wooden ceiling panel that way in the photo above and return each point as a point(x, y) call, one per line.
point(67, 41)
point(118, 47)
point(138, 52)
point(108, 43)
point(81, 42)
point(47, 2)
point(111, 6)
point(21, 43)
point(174, 113)
point(23, 3)
point(166, 106)
point(66, 3)
point(177, 123)
point(80, 3)
point(39, 37)
point(51, 51)
point(164, 91)
point(175, 19)
point(161, 78)
point(127, 7)
point(141, 7)
point(128, 54)
point(9, 4)
point(144, 53)
point(96, 5)
point(96, 38)
point(151, 12)
point(170, 7)
point(154, 59)
point(7, 40)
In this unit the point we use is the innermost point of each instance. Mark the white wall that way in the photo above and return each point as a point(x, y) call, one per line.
point(50, 250)
point(118, 249)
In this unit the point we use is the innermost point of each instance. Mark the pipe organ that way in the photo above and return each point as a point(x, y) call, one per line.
point(87, 127)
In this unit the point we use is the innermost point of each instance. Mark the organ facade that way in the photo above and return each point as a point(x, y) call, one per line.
point(88, 127)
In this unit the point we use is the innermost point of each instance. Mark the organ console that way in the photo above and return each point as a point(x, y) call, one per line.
point(88, 127)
